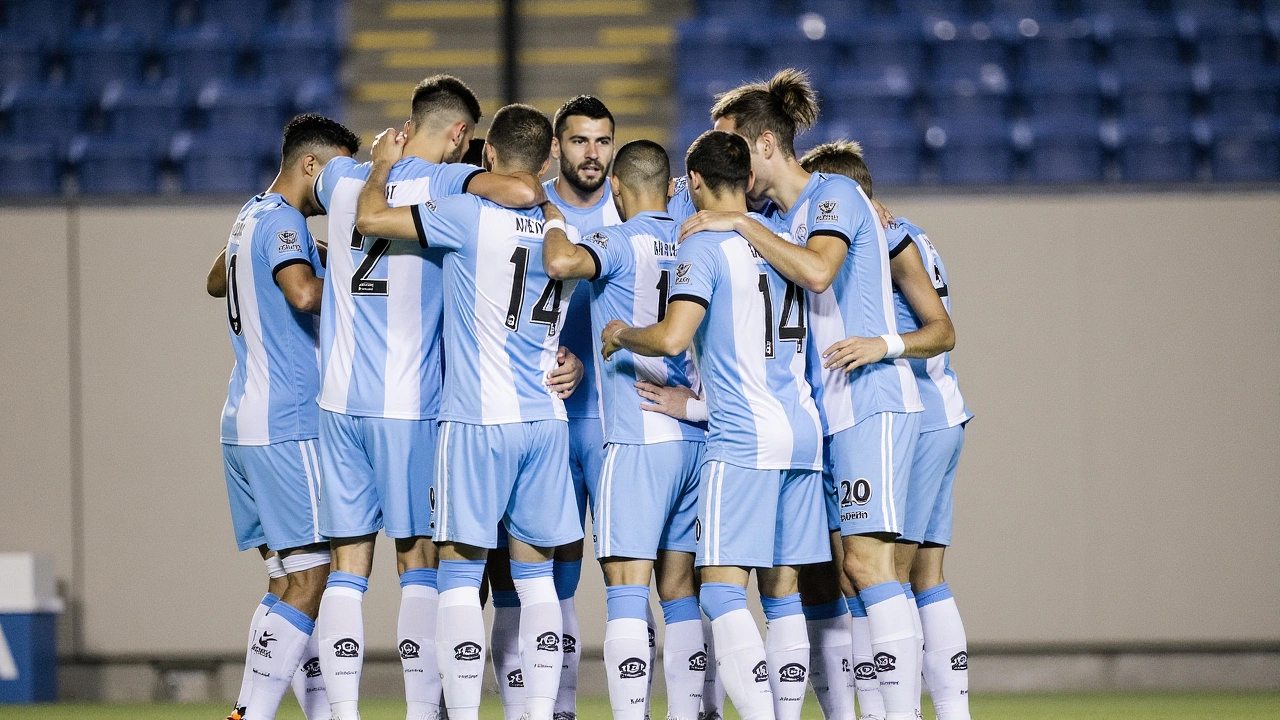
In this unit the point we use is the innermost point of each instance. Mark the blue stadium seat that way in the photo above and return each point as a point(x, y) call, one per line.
point(30, 168)
point(1069, 93)
point(874, 47)
point(1018, 9)
point(982, 96)
point(790, 48)
point(1058, 45)
point(961, 51)
point(1141, 43)
point(1239, 41)
point(115, 166)
point(318, 95)
point(105, 55)
point(933, 8)
point(712, 56)
point(1246, 150)
point(224, 163)
point(835, 9)
point(154, 112)
point(892, 150)
point(732, 8)
point(49, 20)
point(22, 56)
point(36, 110)
point(148, 19)
point(1154, 92)
point(1158, 152)
point(885, 97)
point(1243, 90)
point(292, 54)
point(973, 153)
point(1065, 152)
point(244, 18)
point(201, 54)
point(243, 108)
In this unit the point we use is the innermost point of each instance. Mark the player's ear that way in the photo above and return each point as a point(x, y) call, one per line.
point(766, 144)
point(545, 165)
point(751, 180)
point(488, 154)
point(695, 181)
point(408, 128)
point(615, 186)
point(671, 188)
point(555, 147)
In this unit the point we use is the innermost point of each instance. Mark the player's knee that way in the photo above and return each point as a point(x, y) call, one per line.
point(569, 553)
point(904, 555)
point(676, 580)
point(926, 571)
point(820, 583)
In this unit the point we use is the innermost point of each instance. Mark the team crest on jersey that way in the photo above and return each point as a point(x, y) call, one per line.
point(288, 241)
point(827, 211)
point(801, 234)
point(681, 184)
point(431, 205)
point(682, 273)
point(598, 238)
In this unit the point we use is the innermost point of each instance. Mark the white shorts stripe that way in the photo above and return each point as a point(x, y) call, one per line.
point(888, 460)
point(606, 497)
point(885, 491)
point(312, 470)
point(442, 482)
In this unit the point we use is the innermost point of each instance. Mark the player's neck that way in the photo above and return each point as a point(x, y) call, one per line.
point(787, 185)
point(728, 202)
point(292, 192)
point(425, 147)
point(576, 197)
point(636, 204)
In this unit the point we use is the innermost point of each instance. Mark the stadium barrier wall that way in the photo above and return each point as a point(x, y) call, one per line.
point(1116, 499)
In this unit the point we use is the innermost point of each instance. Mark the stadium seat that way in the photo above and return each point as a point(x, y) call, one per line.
point(835, 9)
point(972, 153)
point(860, 98)
point(282, 51)
point(48, 20)
point(1158, 152)
point(1065, 152)
point(1246, 150)
point(153, 112)
point(115, 166)
point(892, 150)
point(712, 56)
point(102, 56)
point(31, 168)
point(1069, 93)
point(1058, 45)
point(1154, 92)
point(1242, 90)
point(877, 46)
point(22, 56)
point(201, 54)
point(244, 18)
point(318, 95)
point(35, 110)
point(933, 8)
point(962, 51)
point(1239, 41)
point(148, 19)
point(1143, 43)
point(223, 163)
point(243, 107)
point(984, 95)
point(731, 8)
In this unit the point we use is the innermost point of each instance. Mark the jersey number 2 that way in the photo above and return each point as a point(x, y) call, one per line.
point(361, 284)
point(546, 311)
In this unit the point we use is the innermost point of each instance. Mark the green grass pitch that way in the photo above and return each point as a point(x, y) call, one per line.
point(1118, 706)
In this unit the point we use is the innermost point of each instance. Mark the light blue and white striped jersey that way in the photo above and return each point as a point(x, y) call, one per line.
point(858, 303)
point(272, 394)
point(750, 352)
point(635, 262)
point(939, 390)
point(577, 335)
point(383, 303)
point(680, 205)
point(502, 313)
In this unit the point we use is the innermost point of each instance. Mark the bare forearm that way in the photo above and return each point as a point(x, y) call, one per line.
point(216, 283)
point(371, 206)
point(651, 341)
point(797, 263)
point(935, 338)
point(564, 260)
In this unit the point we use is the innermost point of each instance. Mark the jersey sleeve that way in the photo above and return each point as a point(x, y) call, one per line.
point(328, 178)
point(680, 206)
point(839, 209)
point(286, 241)
point(455, 177)
point(449, 222)
point(897, 237)
point(697, 273)
point(608, 252)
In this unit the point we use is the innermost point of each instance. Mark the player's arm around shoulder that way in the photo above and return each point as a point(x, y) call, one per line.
point(812, 267)
point(374, 217)
point(518, 190)
point(563, 259)
point(936, 334)
point(695, 280)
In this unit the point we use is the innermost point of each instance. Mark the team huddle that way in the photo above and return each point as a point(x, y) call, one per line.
point(744, 368)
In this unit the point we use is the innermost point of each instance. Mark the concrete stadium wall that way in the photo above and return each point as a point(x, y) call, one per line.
point(1119, 486)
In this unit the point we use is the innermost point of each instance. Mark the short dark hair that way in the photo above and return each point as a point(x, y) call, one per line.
point(521, 136)
point(722, 159)
point(444, 93)
point(643, 165)
point(585, 105)
point(786, 104)
point(840, 157)
point(309, 131)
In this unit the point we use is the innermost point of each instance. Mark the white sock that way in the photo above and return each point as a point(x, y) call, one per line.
point(460, 650)
point(626, 645)
point(651, 628)
point(540, 630)
point(246, 681)
point(567, 697)
point(740, 660)
point(919, 646)
point(831, 659)
point(866, 684)
point(416, 642)
point(308, 683)
point(505, 649)
point(712, 687)
point(341, 630)
point(946, 658)
point(277, 655)
point(786, 650)
point(684, 663)
point(893, 642)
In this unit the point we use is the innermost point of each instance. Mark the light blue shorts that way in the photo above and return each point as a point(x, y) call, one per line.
point(586, 461)
point(515, 473)
point(933, 474)
point(274, 492)
point(871, 469)
point(647, 499)
point(377, 475)
point(829, 488)
point(760, 518)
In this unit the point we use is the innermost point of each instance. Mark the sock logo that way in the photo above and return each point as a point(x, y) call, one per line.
point(312, 668)
point(467, 651)
point(960, 661)
point(864, 671)
point(409, 649)
point(698, 661)
point(346, 648)
point(844, 664)
point(652, 638)
point(569, 642)
point(632, 668)
point(549, 642)
point(761, 671)
point(885, 662)
point(792, 672)
point(260, 646)
point(515, 678)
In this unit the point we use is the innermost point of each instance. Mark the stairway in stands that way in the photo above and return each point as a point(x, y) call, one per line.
point(618, 50)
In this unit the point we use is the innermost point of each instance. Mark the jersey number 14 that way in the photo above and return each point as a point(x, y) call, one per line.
point(546, 311)
point(791, 326)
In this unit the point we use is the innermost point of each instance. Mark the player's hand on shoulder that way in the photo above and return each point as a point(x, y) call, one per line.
point(569, 371)
point(609, 337)
point(388, 147)
point(854, 352)
point(668, 400)
point(886, 217)
point(551, 212)
point(538, 195)
point(711, 221)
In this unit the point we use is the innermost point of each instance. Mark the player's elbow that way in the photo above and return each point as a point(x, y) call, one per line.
point(559, 266)
point(672, 345)
point(816, 282)
point(948, 339)
point(367, 223)
point(306, 298)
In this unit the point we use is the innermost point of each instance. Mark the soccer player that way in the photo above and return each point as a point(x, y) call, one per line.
point(760, 493)
point(871, 409)
point(646, 502)
point(921, 298)
point(380, 341)
point(504, 436)
point(269, 423)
